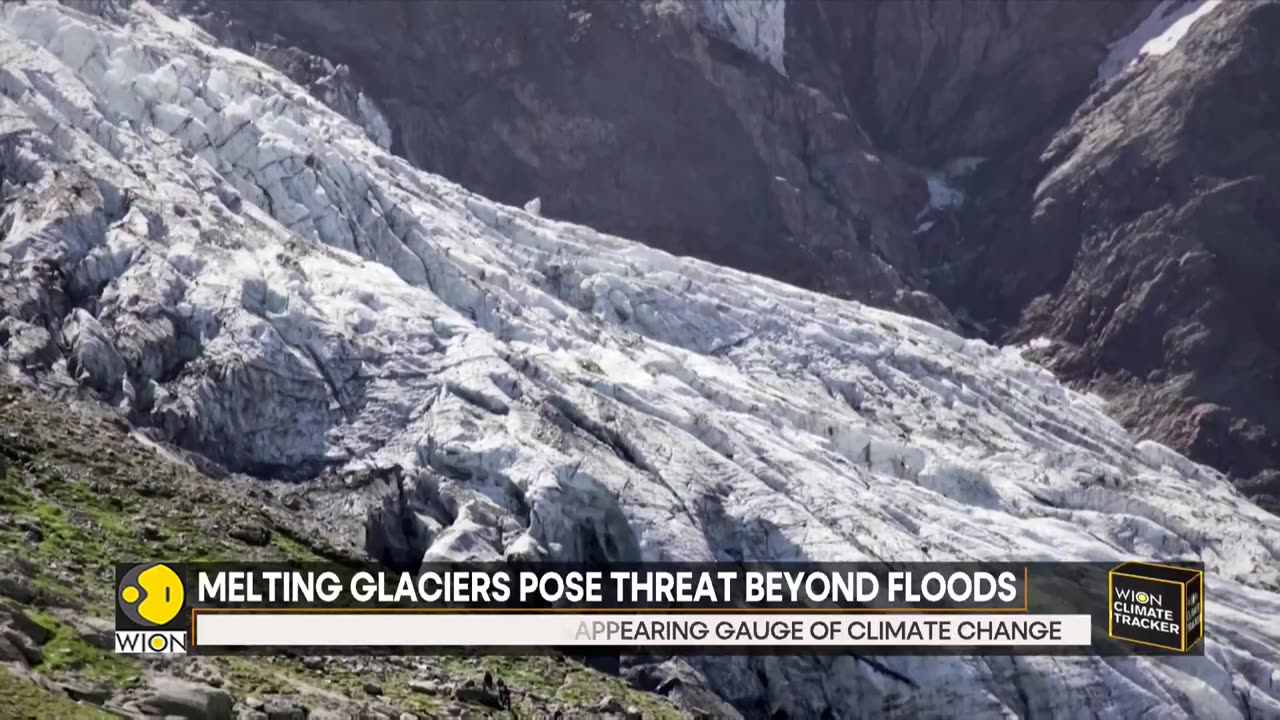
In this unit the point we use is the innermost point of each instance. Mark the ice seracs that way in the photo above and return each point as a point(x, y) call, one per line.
point(255, 279)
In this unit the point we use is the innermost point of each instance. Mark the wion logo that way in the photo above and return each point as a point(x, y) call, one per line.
point(1158, 606)
point(150, 599)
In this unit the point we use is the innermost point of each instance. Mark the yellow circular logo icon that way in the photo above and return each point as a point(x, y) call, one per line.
point(1142, 598)
point(151, 595)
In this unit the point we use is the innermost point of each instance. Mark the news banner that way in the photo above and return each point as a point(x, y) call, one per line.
point(693, 609)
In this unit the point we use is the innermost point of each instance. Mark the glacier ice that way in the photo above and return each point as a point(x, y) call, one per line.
point(757, 27)
point(1157, 34)
point(196, 240)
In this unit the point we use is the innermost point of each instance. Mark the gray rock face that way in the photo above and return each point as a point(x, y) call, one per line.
point(1153, 260)
point(171, 697)
point(935, 81)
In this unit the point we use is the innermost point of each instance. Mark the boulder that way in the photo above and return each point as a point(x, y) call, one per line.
point(254, 535)
point(193, 701)
point(476, 695)
point(684, 685)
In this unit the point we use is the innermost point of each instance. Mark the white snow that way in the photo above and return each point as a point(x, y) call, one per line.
point(289, 294)
point(756, 26)
point(1156, 35)
point(1036, 343)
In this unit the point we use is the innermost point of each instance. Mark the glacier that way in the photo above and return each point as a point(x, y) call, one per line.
point(758, 28)
point(195, 240)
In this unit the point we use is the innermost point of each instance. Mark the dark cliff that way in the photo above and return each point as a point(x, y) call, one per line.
point(1145, 245)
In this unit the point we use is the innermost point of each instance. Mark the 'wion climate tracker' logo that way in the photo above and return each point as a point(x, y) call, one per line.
point(1159, 606)
point(150, 599)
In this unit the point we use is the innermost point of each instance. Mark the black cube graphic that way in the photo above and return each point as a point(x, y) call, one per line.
point(1159, 606)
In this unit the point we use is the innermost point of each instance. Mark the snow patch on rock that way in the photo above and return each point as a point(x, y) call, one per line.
point(1156, 35)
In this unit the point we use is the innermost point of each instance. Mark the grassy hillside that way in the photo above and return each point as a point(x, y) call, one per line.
point(80, 492)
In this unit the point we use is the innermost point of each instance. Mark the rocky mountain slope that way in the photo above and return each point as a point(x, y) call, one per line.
point(643, 119)
point(1154, 215)
point(834, 145)
point(238, 271)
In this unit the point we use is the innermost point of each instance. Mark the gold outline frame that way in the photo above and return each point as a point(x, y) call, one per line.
point(1026, 607)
